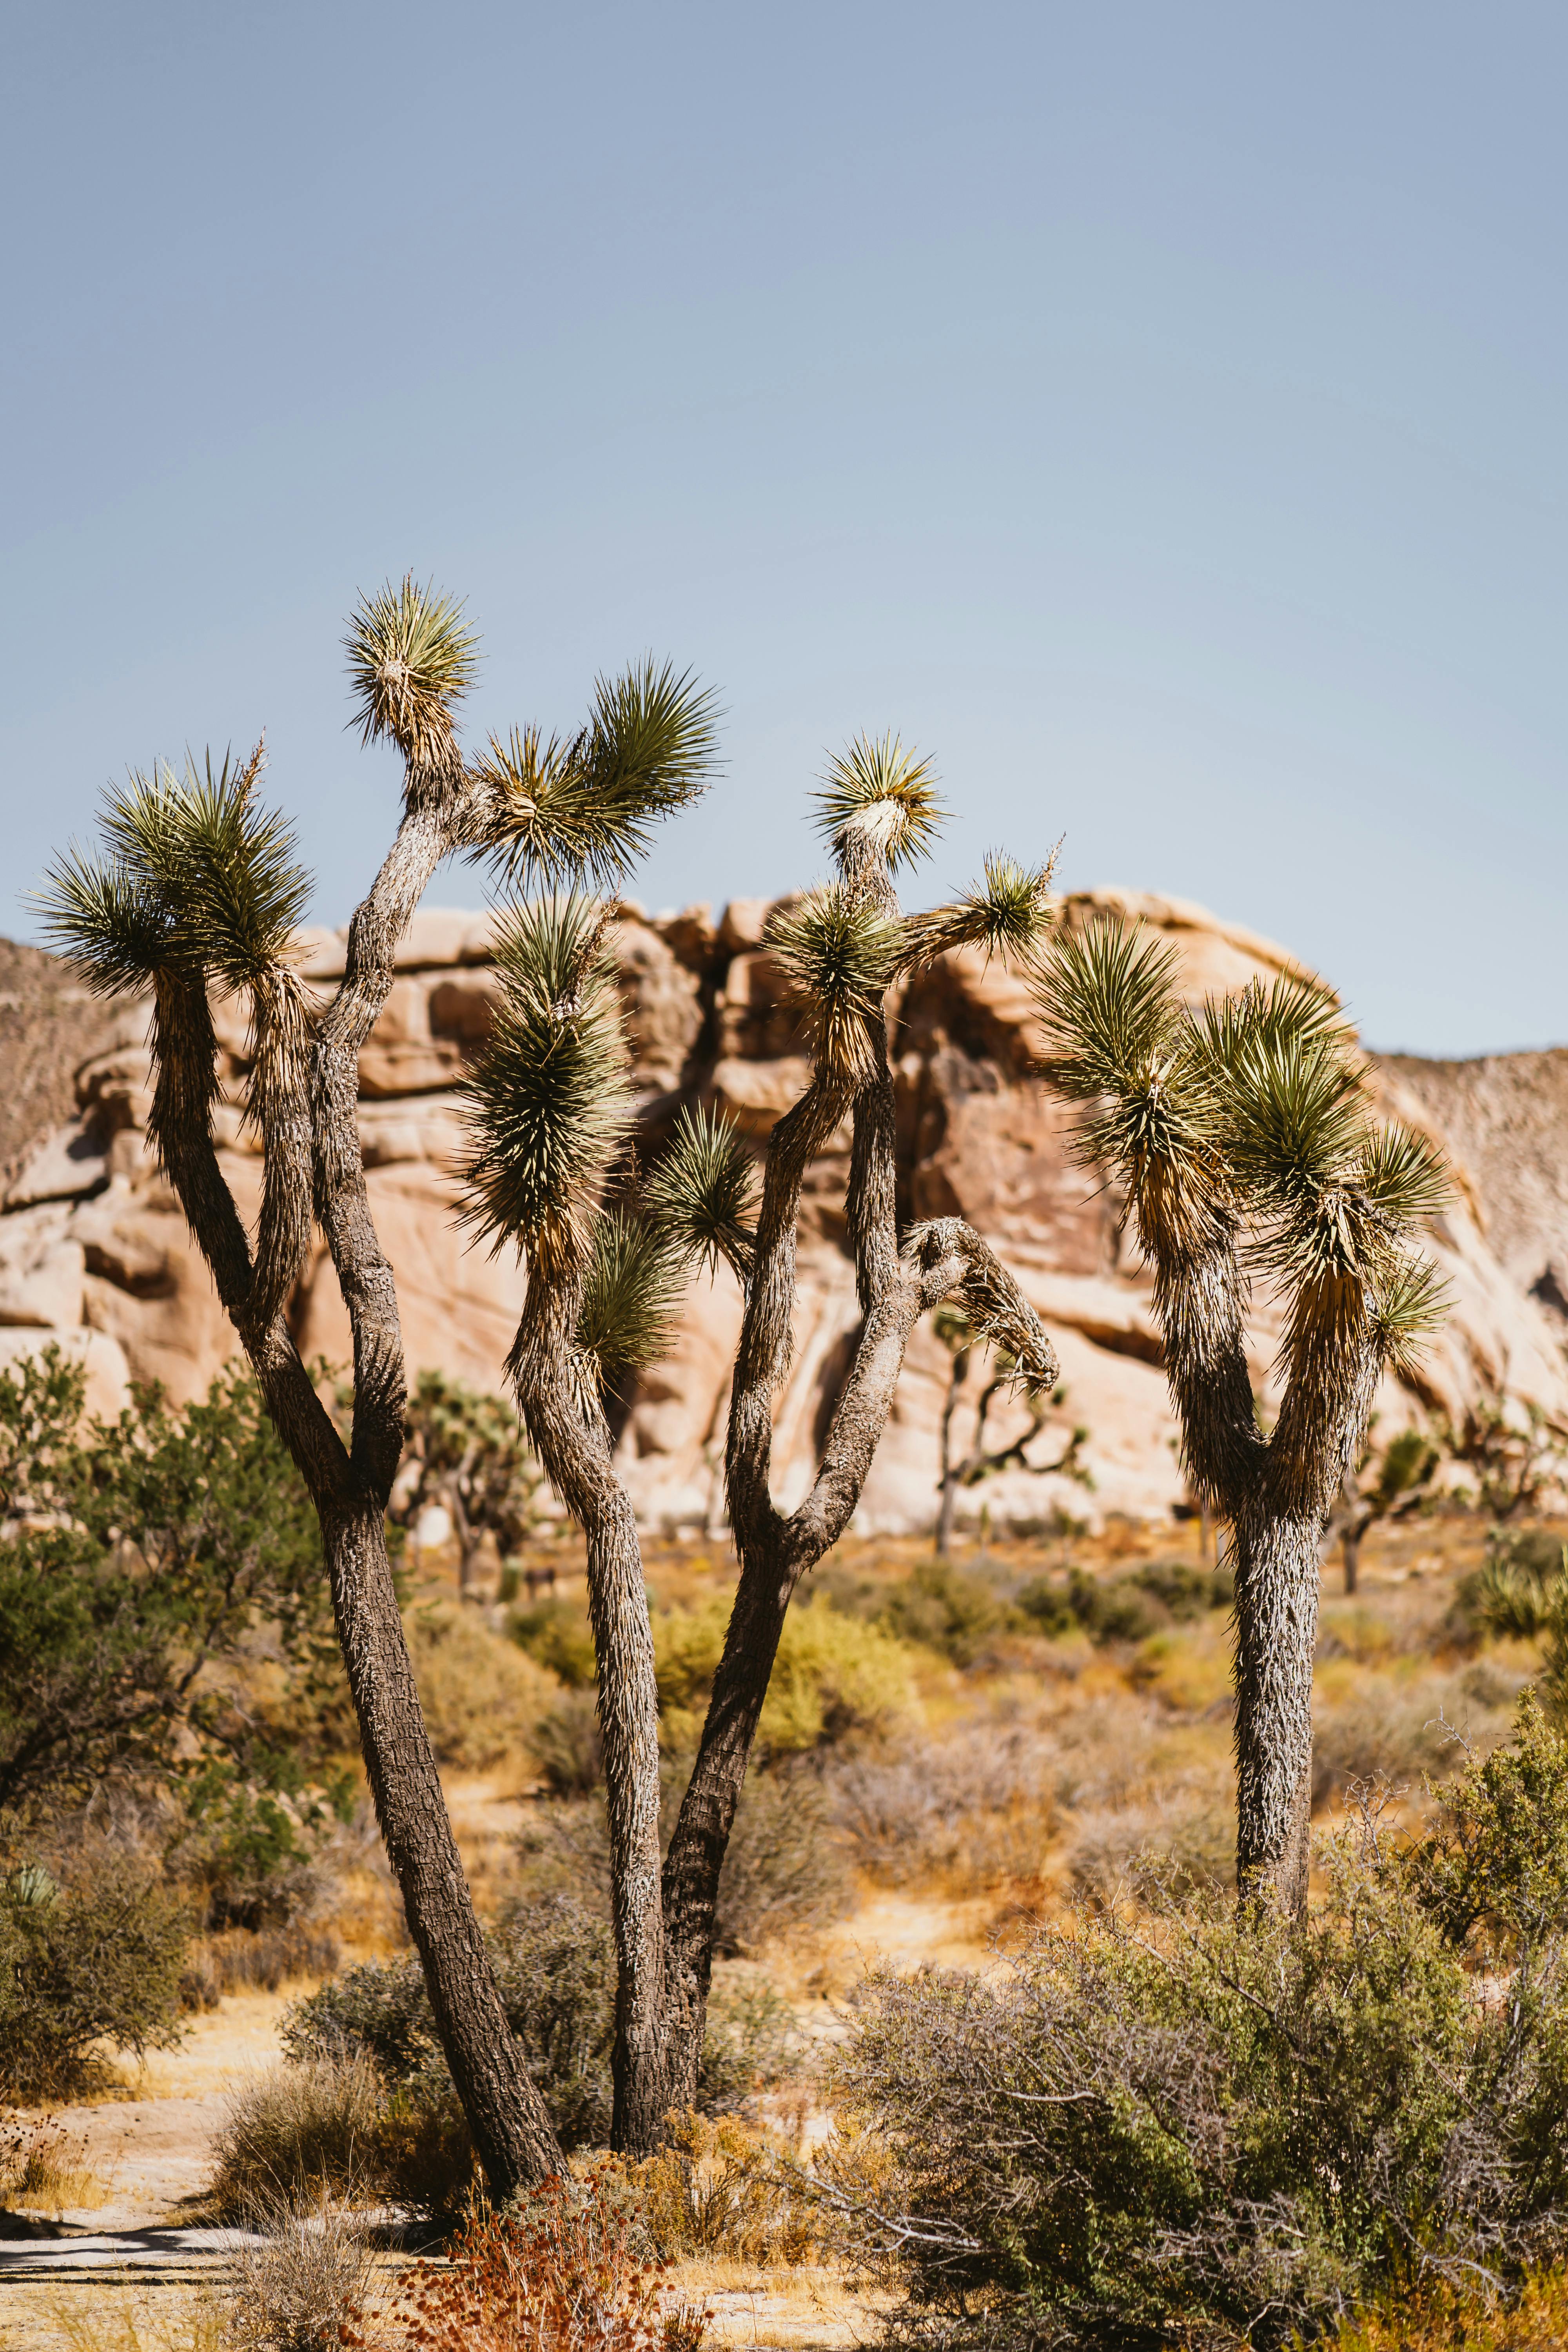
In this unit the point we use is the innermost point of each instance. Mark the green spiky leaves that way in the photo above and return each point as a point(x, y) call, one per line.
point(195, 878)
point(1005, 914)
point(583, 809)
point(411, 662)
point(548, 1105)
point(1247, 1118)
point(878, 803)
point(702, 1192)
point(839, 954)
point(631, 1297)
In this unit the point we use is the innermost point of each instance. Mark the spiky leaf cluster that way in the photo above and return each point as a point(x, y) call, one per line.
point(1116, 1038)
point(194, 877)
point(548, 1104)
point(1005, 914)
point(411, 662)
point(1249, 1117)
point(877, 796)
point(702, 1192)
point(583, 808)
point(631, 1297)
point(839, 954)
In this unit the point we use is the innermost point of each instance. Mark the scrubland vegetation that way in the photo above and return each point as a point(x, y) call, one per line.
point(1135, 2108)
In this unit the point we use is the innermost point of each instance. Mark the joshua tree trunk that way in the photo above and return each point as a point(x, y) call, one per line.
point(1277, 1580)
point(511, 2133)
point(573, 1443)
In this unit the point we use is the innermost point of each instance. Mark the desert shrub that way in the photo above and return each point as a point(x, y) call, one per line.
point(555, 1969)
point(975, 1807)
point(295, 2132)
point(950, 1609)
point(720, 2186)
point(1126, 1607)
point(143, 1559)
point(482, 1695)
point(246, 1854)
point(558, 1638)
point(1513, 1594)
point(1161, 1847)
point(833, 1675)
point(568, 1745)
point(784, 1870)
point(1238, 2121)
point(1380, 1732)
point(298, 2281)
point(565, 2272)
point(85, 1968)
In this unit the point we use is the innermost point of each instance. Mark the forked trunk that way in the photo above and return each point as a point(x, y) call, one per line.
point(1276, 1585)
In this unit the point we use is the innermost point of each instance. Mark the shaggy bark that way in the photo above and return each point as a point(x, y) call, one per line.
point(311, 1141)
point(1276, 1493)
point(572, 1440)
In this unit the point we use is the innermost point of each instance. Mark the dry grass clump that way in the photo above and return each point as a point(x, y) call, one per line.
point(44, 2166)
point(299, 2282)
point(259, 1960)
point(296, 2131)
point(99, 2326)
point(482, 1695)
point(720, 2186)
point(1536, 2320)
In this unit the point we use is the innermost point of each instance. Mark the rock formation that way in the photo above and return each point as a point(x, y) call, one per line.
point(94, 1253)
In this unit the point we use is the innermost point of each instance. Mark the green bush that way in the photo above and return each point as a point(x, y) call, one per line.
point(833, 1675)
point(86, 1969)
point(949, 1609)
point(1216, 2126)
point(559, 1638)
point(144, 1557)
point(1128, 1608)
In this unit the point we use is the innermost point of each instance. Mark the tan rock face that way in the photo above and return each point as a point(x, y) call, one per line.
point(94, 1250)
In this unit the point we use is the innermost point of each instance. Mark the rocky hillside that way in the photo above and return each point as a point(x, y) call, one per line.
point(93, 1249)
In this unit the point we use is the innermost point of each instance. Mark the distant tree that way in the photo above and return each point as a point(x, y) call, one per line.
point(1241, 1137)
point(958, 1336)
point(1518, 1463)
point(1389, 1486)
point(137, 1556)
point(465, 1450)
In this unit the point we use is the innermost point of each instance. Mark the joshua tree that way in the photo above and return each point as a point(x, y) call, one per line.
point(957, 1335)
point(1400, 1482)
point(606, 1260)
point(197, 889)
point(1240, 1135)
point(465, 1451)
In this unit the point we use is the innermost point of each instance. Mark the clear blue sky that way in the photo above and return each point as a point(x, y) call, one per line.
point(1155, 412)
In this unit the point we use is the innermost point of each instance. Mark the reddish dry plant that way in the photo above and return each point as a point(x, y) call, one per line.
point(563, 2275)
